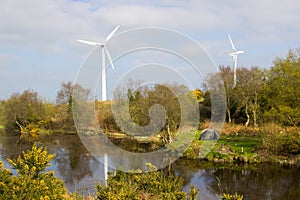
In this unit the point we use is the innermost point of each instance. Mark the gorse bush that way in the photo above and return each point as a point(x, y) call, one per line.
point(234, 196)
point(151, 185)
point(5, 179)
point(32, 162)
point(31, 182)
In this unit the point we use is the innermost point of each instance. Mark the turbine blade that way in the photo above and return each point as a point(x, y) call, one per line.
point(112, 33)
point(232, 45)
point(109, 57)
point(89, 42)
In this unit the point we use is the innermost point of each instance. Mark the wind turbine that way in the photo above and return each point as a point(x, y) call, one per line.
point(234, 55)
point(104, 52)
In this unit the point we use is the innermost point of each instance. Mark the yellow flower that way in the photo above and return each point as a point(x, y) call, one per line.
point(26, 167)
point(45, 198)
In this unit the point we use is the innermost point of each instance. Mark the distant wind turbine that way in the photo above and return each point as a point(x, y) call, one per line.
point(104, 52)
point(234, 55)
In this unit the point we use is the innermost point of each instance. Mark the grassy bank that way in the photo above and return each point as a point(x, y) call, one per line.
point(238, 144)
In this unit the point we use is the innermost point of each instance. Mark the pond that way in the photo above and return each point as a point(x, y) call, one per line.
point(80, 171)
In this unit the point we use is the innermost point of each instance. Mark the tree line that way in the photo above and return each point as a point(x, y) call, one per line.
point(28, 111)
point(265, 95)
point(260, 96)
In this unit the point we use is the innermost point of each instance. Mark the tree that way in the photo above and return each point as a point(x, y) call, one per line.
point(24, 109)
point(2, 113)
point(283, 90)
point(248, 90)
point(243, 100)
point(142, 117)
point(227, 76)
point(205, 107)
point(64, 101)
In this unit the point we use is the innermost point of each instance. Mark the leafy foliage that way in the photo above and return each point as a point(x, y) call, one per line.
point(32, 162)
point(234, 196)
point(5, 179)
point(284, 143)
point(151, 185)
point(142, 102)
point(25, 108)
point(283, 90)
point(31, 183)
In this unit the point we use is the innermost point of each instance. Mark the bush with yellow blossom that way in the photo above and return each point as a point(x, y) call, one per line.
point(31, 182)
point(150, 185)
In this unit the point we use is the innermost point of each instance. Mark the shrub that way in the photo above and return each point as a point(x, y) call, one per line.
point(284, 143)
point(150, 185)
point(31, 183)
point(234, 196)
point(5, 179)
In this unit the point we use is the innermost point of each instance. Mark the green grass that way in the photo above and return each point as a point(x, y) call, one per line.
point(240, 144)
point(229, 148)
point(2, 127)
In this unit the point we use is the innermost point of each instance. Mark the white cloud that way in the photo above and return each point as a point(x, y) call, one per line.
point(48, 22)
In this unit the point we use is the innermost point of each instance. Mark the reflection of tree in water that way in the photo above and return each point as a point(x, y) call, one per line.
point(191, 172)
point(253, 181)
point(185, 168)
point(72, 160)
point(132, 145)
point(10, 149)
point(266, 182)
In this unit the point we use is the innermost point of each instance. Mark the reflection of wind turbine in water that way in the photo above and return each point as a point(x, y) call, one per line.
point(104, 52)
point(234, 55)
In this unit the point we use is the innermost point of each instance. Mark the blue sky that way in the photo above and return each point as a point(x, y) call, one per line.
point(39, 51)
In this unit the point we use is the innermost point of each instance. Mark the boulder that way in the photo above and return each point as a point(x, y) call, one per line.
point(209, 134)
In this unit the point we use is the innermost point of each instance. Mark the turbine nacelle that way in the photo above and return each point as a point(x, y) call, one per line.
point(102, 44)
point(235, 53)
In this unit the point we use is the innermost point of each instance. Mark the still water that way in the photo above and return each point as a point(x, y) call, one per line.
point(81, 172)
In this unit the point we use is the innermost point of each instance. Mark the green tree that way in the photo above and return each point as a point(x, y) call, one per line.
point(283, 90)
point(24, 109)
point(165, 95)
point(205, 107)
point(2, 113)
point(173, 98)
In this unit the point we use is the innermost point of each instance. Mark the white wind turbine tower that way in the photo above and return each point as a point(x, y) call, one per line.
point(234, 55)
point(104, 52)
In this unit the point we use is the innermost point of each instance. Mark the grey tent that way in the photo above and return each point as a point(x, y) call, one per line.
point(209, 134)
